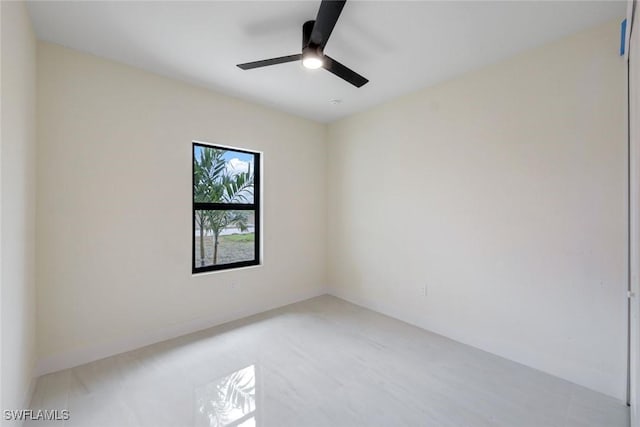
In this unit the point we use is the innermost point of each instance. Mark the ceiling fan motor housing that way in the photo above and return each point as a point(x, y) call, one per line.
point(309, 49)
point(307, 28)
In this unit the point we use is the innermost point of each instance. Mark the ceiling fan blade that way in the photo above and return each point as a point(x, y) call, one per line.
point(325, 21)
point(272, 61)
point(343, 72)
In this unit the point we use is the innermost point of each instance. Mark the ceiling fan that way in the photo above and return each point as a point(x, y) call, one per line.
point(315, 35)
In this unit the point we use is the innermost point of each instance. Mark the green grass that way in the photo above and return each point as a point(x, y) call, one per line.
point(238, 238)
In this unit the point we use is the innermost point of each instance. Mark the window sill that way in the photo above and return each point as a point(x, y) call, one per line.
point(227, 270)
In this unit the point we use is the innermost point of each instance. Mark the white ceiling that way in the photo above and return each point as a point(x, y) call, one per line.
point(398, 46)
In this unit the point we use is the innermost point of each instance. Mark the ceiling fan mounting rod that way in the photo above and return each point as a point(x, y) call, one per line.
point(308, 47)
point(307, 27)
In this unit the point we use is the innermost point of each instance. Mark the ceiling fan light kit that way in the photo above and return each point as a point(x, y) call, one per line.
point(315, 35)
point(312, 59)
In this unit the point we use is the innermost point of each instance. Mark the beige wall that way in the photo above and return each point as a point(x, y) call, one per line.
point(504, 193)
point(17, 201)
point(114, 207)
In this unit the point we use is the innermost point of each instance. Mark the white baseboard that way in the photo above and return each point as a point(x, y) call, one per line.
point(385, 309)
point(28, 396)
point(80, 356)
point(373, 305)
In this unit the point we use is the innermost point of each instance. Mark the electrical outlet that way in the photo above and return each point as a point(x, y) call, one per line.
point(425, 289)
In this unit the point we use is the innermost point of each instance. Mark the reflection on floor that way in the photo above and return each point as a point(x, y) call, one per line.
point(228, 401)
point(322, 362)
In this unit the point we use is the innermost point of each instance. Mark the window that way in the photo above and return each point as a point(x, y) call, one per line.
point(226, 208)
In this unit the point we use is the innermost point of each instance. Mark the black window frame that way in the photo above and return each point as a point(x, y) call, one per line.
point(255, 206)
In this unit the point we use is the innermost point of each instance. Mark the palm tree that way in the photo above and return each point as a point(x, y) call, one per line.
point(214, 183)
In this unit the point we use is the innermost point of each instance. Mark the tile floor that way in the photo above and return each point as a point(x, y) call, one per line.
point(321, 362)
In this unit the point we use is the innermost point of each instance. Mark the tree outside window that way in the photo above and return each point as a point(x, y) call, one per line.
point(225, 208)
